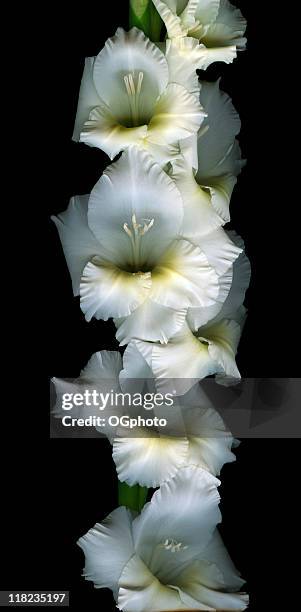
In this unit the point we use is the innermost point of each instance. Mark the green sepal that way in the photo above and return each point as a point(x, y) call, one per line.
point(133, 498)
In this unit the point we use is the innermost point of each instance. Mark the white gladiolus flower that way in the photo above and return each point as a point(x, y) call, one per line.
point(127, 259)
point(149, 457)
point(198, 349)
point(216, 24)
point(195, 355)
point(126, 97)
point(206, 192)
point(171, 556)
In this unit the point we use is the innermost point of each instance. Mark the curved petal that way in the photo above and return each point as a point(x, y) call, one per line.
point(200, 217)
point(183, 511)
point(135, 185)
point(78, 242)
point(207, 10)
point(240, 283)
point(220, 251)
point(198, 317)
point(136, 364)
point(177, 115)
point(183, 361)
point(87, 100)
point(217, 554)
point(218, 54)
point(103, 131)
point(191, 583)
point(102, 365)
point(151, 322)
point(149, 461)
point(223, 338)
point(184, 57)
point(108, 547)
point(215, 143)
point(228, 28)
point(210, 442)
point(184, 278)
point(232, 163)
point(140, 590)
point(210, 453)
point(189, 151)
point(172, 21)
point(130, 53)
point(162, 154)
point(221, 189)
point(106, 291)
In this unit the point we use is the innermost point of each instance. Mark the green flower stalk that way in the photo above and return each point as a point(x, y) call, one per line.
point(133, 498)
point(144, 15)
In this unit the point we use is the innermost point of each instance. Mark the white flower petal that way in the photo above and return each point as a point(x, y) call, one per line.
point(78, 242)
point(198, 317)
point(149, 461)
point(106, 291)
point(210, 442)
point(88, 98)
point(184, 57)
point(135, 184)
point(218, 54)
point(136, 364)
point(108, 547)
point(223, 338)
point(217, 554)
point(167, 12)
point(140, 590)
point(221, 189)
point(130, 53)
point(177, 115)
point(228, 28)
point(151, 322)
point(240, 283)
point(232, 287)
point(232, 163)
point(102, 365)
point(181, 362)
point(191, 583)
point(223, 122)
point(189, 150)
point(210, 453)
point(200, 216)
point(207, 10)
point(103, 131)
point(184, 278)
point(220, 251)
point(163, 154)
point(184, 510)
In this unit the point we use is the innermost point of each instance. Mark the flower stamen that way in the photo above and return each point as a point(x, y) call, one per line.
point(173, 546)
point(135, 233)
point(133, 92)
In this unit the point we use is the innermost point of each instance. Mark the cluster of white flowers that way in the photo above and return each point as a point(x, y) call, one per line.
point(147, 248)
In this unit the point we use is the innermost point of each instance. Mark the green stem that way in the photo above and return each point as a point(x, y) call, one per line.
point(143, 15)
point(133, 498)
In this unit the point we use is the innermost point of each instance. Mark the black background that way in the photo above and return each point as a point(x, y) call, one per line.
point(57, 489)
